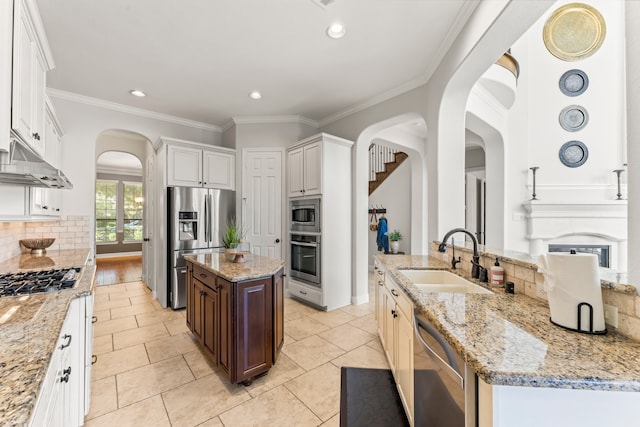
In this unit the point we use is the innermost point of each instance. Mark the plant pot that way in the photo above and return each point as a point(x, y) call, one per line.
point(394, 245)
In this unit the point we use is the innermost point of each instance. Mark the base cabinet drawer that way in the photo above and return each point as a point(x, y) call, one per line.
point(306, 293)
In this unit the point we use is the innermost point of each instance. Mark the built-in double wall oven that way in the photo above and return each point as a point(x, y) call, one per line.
point(304, 224)
point(305, 258)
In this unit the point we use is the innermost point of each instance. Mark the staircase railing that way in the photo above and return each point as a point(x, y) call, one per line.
point(378, 156)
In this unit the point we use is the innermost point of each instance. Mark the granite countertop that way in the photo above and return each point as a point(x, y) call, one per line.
point(254, 267)
point(508, 339)
point(29, 335)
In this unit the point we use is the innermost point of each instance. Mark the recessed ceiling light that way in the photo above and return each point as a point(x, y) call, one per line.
point(336, 31)
point(255, 95)
point(137, 92)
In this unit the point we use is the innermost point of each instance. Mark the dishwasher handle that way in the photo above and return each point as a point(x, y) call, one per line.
point(451, 364)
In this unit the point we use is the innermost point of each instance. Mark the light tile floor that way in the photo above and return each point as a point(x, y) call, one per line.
point(151, 372)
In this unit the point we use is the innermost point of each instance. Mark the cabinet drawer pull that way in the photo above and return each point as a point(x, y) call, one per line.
point(380, 283)
point(302, 292)
point(94, 319)
point(203, 275)
point(65, 377)
point(394, 293)
point(68, 343)
point(94, 359)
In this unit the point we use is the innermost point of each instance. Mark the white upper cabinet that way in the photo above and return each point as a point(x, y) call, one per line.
point(201, 167)
point(184, 166)
point(305, 170)
point(30, 66)
point(47, 201)
point(218, 170)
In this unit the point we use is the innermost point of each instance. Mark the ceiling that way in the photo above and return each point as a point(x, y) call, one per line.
point(118, 161)
point(199, 59)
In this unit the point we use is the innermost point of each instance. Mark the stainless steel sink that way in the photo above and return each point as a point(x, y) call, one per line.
point(442, 281)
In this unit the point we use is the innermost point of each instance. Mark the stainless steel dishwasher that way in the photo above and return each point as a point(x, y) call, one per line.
point(444, 388)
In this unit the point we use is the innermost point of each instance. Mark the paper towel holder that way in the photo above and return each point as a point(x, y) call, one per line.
point(579, 312)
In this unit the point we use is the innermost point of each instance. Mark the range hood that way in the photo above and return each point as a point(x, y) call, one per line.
point(22, 166)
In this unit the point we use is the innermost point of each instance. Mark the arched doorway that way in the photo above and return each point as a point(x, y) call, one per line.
point(123, 213)
point(408, 132)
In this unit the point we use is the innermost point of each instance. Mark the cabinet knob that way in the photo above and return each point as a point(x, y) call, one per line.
point(302, 191)
point(199, 182)
point(277, 240)
point(45, 207)
point(94, 359)
point(146, 239)
point(68, 343)
point(94, 319)
point(303, 292)
point(380, 283)
point(394, 314)
point(67, 371)
point(36, 136)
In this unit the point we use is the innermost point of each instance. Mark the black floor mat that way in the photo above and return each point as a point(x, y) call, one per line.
point(368, 397)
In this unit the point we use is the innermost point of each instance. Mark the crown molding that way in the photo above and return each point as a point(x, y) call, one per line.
point(108, 105)
point(463, 15)
point(253, 120)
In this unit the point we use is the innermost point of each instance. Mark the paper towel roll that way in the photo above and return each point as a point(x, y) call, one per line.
point(571, 279)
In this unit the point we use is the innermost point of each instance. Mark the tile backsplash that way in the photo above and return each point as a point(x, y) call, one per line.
point(524, 274)
point(70, 232)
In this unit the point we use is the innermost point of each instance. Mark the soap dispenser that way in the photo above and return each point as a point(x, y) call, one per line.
point(496, 274)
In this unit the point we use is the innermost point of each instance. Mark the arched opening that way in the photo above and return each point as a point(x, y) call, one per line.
point(407, 132)
point(123, 216)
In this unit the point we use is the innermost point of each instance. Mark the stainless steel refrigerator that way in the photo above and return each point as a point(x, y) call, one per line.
point(195, 219)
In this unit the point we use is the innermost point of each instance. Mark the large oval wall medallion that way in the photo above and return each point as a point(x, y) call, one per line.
point(574, 31)
point(574, 82)
point(573, 118)
point(573, 154)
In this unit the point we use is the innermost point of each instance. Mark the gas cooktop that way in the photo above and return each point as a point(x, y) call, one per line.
point(31, 282)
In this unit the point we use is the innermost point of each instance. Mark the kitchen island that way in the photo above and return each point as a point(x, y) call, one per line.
point(529, 371)
point(31, 326)
point(236, 310)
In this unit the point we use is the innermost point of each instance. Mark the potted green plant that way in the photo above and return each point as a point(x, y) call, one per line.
point(232, 237)
point(394, 240)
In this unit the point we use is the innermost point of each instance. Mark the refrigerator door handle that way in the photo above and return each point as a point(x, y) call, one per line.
point(205, 220)
point(209, 224)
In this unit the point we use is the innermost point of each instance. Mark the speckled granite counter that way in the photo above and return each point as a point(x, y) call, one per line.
point(508, 339)
point(30, 334)
point(255, 266)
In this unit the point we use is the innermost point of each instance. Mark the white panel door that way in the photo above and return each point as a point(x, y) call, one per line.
point(262, 200)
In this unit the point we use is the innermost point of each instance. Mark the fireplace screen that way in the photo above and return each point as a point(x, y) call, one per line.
point(601, 250)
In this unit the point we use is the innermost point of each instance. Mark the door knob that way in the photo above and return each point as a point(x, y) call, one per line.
point(277, 240)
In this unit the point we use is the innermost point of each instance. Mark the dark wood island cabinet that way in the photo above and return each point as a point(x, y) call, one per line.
point(236, 310)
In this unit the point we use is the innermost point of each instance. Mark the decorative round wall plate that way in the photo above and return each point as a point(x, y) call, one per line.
point(573, 154)
point(574, 82)
point(573, 118)
point(574, 31)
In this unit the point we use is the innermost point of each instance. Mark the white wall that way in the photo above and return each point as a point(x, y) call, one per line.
point(83, 124)
point(633, 135)
point(604, 100)
point(394, 194)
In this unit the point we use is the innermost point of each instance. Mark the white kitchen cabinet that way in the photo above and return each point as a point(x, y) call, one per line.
point(305, 170)
point(322, 163)
point(30, 66)
point(63, 394)
point(394, 312)
point(506, 406)
point(198, 167)
point(46, 201)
